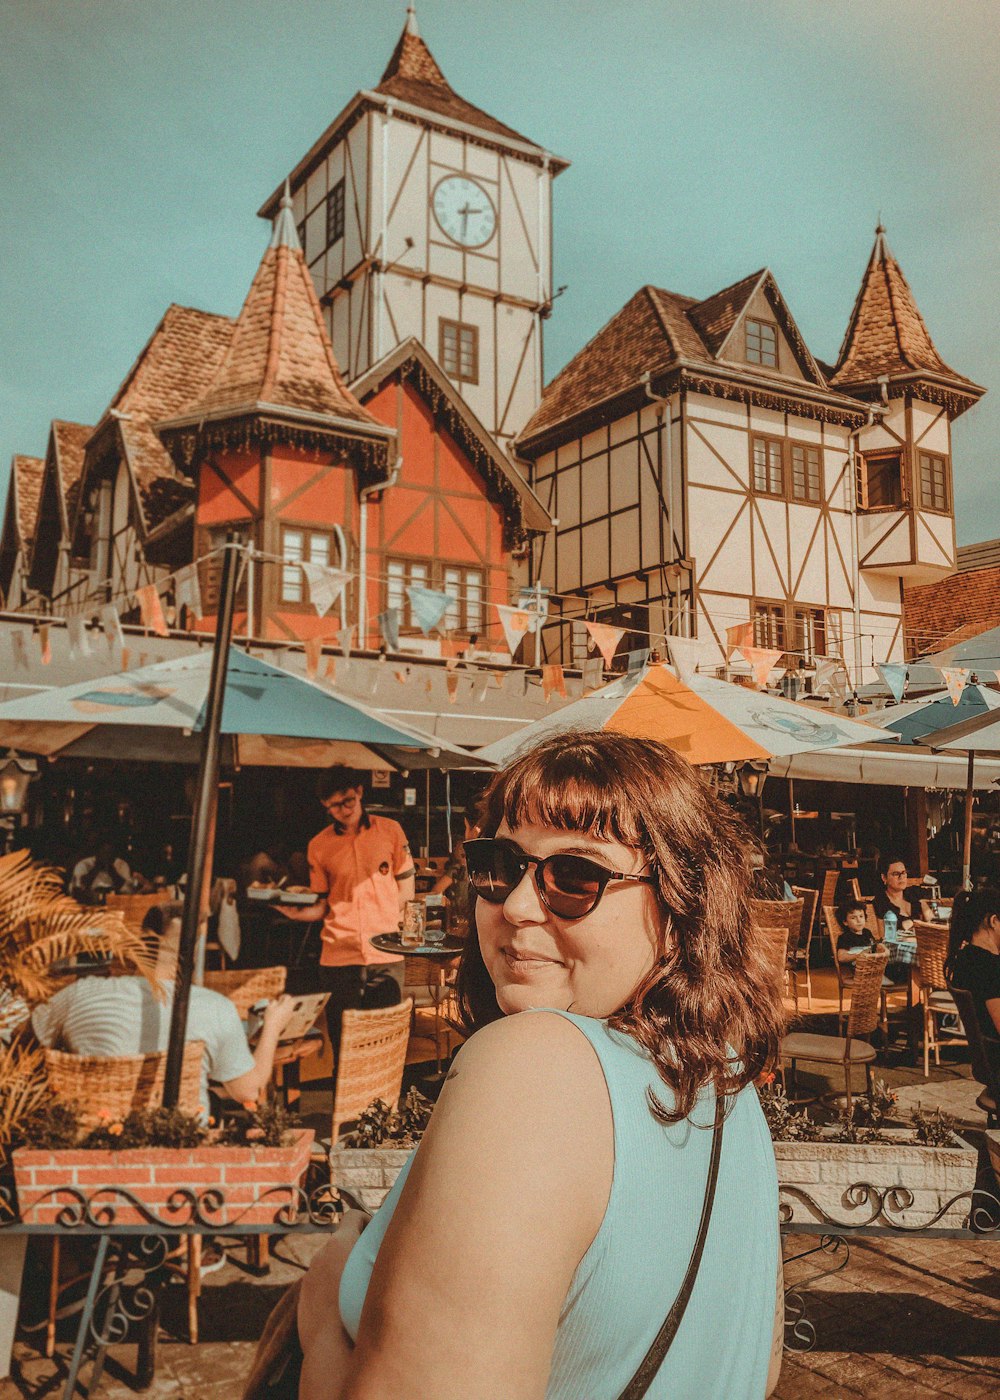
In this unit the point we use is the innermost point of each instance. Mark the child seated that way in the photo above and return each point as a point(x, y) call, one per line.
point(857, 937)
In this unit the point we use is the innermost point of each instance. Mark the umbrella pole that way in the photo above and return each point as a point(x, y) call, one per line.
point(201, 823)
point(967, 834)
point(793, 842)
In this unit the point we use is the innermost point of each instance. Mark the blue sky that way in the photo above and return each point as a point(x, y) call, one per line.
point(708, 138)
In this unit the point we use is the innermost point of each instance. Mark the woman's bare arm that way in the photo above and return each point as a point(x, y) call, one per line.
point(504, 1198)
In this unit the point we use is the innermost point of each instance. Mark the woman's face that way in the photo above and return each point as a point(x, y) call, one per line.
point(895, 878)
point(590, 965)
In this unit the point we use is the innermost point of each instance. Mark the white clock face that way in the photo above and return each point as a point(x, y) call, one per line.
point(464, 211)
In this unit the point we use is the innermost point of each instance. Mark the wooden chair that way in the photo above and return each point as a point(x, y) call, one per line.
point(370, 1064)
point(810, 900)
point(109, 1088)
point(983, 1071)
point(244, 986)
point(785, 914)
point(862, 1018)
point(935, 998)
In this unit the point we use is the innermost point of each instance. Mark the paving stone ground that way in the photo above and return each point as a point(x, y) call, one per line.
point(906, 1317)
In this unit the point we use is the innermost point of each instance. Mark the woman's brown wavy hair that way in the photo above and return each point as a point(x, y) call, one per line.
point(709, 1010)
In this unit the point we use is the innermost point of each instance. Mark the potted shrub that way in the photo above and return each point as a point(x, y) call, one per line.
point(367, 1161)
point(859, 1171)
point(159, 1165)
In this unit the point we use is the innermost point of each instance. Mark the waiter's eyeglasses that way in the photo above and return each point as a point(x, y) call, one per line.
point(569, 886)
point(341, 804)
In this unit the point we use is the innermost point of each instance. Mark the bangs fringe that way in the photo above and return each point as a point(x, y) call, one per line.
point(570, 794)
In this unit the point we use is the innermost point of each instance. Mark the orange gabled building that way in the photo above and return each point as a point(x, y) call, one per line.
point(392, 479)
point(279, 448)
point(458, 516)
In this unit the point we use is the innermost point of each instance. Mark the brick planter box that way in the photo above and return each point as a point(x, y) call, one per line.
point(824, 1171)
point(369, 1173)
point(170, 1185)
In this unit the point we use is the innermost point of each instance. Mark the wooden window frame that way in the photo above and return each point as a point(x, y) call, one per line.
point(409, 564)
point(788, 619)
point(459, 328)
point(934, 460)
point(468, 623)
point(808, 449)
point(769, 440)
point(308, 533)
point(335, 206)
point(756, 357)
point(869, 459)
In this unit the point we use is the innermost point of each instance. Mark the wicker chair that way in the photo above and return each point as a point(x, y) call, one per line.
point(862, 1019)
point(983, 1071)
point(810, 900)
point(370, 1064)
point(828, 890)
point(776, 939)
point(845, 971)
point(786, 914)
point(935, 998)
point(244, 986)
point(429, 983)
point(101, 1086)
point(134, 907)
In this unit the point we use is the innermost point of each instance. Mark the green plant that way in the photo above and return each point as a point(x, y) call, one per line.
point(784, 1124)
point(54, 1125)
point(932, 1127)
point(148, 1127)
point(50, 1126)
point(382, 1126)
point(267, 1126)
point(23, 1092)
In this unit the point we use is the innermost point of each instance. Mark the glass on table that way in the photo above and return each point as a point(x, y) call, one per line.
point(414, 923)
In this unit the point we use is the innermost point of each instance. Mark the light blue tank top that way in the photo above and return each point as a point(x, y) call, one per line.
point(629, 1277)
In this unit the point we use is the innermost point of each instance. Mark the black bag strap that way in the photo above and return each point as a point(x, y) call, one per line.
point(653, 1359)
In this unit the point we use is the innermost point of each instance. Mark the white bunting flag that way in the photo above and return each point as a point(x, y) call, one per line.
point(515, 623)
point(956, 679)
point(111, 624)
point(187, 593)
point(344, 639)
point(325, 585)
point(605, 638)
point(895, 677)
point(150, 610)
point(686, 654)
point(762, 662)
point(76, 630)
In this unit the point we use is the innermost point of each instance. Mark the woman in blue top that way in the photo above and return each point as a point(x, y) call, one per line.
point(547, 1220)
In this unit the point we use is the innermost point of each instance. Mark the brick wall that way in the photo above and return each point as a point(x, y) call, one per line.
point(967, 602)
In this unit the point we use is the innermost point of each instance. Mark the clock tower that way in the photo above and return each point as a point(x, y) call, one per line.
point(421, 215)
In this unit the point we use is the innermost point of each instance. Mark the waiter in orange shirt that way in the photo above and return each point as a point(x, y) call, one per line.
point(361, 869)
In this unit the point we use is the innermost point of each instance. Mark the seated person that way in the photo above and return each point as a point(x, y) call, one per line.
point(857, 937)
point(123, 1016)
point(973, 961)
point(896, 893)
point(102, 872)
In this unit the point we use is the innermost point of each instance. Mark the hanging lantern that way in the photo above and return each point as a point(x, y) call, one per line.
point(15, 775)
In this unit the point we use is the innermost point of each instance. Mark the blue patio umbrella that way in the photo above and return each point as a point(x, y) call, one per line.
point(915, 720)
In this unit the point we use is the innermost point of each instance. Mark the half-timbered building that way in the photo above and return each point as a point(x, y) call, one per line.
point(423, 216)
point(54, 570)
point(704, 470)
point(18, 532)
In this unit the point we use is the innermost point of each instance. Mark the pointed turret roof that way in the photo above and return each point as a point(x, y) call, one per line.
point(412, 75)
point(279, 364)
point(887, 335)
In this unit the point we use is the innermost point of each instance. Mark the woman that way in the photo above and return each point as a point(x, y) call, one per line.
point(896, 894)
point(545, 1225)
point(973, 961)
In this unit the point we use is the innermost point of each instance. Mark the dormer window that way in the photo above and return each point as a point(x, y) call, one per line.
point(762, 343)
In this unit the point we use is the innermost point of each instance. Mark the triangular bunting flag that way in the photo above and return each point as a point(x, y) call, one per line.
point(451, 680)
point(738, 637)
point(330, 673)
point(895, 678)
point(428, 684)
point(515, 623)
point(76, 631)
point(762, 662)
point(325, 585)
point(44, 644)
point(482, 690)
point(20, 651)
point(553, 682)
point(685, 654)
point(187, 594)
point(150, 610)
point(428, 606)
point(344, 639)
point(592, 673)
point(388, 625)
point(956, 679)
point(497, 678)
point(402, 676)
point(605, 638)
point(111, 624)
point(314, 655)
point(125, 658)
point(826, 669)
point(636, 660)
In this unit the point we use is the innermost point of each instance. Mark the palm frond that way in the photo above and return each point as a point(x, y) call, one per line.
point(23, 1088)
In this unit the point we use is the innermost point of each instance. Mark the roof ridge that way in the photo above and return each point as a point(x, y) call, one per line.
point(653, 293)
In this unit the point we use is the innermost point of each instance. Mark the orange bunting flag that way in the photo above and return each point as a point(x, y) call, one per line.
point(124, 658)
point(331, 668)
point(956, 680)
point(402, 676)
point(428, 685)
point(451, 680)
point(45, 644)
point(605, 638)
point(150, 610)
point(553, 682)
point(762, 662)
point(314, 655)
point(738, 638)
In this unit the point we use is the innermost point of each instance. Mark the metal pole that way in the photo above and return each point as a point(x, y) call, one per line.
point(967, 835)
point(201, 824)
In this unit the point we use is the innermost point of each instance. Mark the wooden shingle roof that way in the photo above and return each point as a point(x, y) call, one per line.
point(886, 334)
point(24, 495)
point(69, 441)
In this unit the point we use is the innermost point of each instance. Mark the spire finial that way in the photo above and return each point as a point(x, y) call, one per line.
point(285, 234)
point(411, 21)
